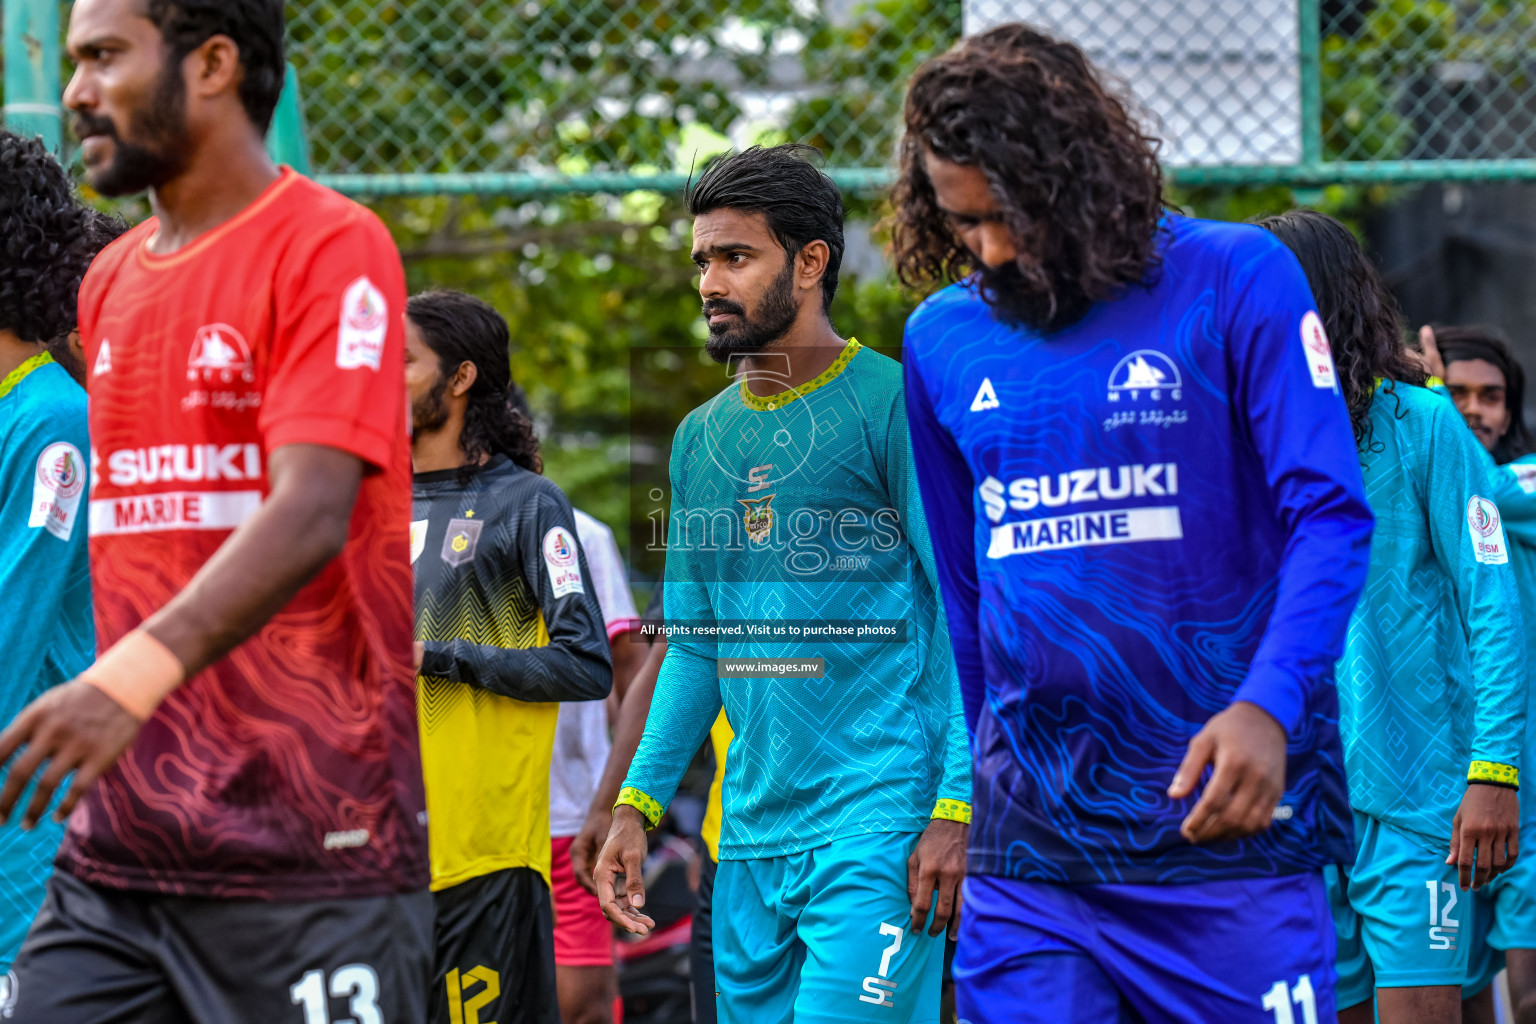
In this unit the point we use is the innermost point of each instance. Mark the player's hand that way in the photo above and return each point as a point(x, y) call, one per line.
point(1487, 825)
point(585, 847)
point(421, 652)
point(1247, 748)
point(1429, 353)
point(938, 863)
point(75, 728)
point(624, 854)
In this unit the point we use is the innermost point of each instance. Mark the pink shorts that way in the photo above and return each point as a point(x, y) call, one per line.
point(583, 936)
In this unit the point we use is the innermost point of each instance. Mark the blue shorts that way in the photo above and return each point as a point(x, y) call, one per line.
point(1504, 916)
point(1256, 950)
point(1382, 907)
point(822, 935)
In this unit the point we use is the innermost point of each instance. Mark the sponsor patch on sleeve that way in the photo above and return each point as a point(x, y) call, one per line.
point(56, 489)
point(1487, 531)
point(1314, 342)
point(560, 560)
point(364, 323)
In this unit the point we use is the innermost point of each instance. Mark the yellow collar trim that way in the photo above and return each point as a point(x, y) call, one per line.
point(21, 372)
point(768, 403)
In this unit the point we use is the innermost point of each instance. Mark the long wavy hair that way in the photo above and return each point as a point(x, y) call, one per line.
point(460, 329)
point(1365, 328)
point(1076, 180)
point(1489, 344)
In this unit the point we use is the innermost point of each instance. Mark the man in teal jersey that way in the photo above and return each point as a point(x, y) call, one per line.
point(47, 240)
point(1487, 383)
point(1432, 686)
point(795, 509)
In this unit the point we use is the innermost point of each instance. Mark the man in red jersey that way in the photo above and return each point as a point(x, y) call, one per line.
point(250, 839)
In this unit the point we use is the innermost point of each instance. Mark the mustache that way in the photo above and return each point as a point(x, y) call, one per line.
point(90, 124)
point(714, 306)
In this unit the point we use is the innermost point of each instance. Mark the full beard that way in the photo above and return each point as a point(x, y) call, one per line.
point(776, 314)
point(1019, 302)
point(137, 167)
point(429, 413)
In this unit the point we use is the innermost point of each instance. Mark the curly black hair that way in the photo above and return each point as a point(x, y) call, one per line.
point(1479, 341)
point(47, 241)
point(1364, 326)
point(256, 26)
point(461, 329)
point(1076, 180)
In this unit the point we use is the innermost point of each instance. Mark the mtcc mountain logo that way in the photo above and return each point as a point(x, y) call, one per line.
point(1148, 373)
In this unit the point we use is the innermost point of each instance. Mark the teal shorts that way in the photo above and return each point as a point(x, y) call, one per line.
point(1506, 915)
point(1400, 917)
point(822, 935)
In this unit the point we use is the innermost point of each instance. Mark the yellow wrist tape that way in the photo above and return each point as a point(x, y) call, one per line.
point(137, 673)
point(629, 796)
point(1492, 771)
point(952, 810)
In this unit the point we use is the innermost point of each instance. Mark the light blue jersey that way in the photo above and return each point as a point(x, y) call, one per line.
point(46, 630)
point(787, 512)
point(1432, 681)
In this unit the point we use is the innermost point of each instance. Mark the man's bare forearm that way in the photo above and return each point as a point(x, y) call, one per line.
point(295, 533)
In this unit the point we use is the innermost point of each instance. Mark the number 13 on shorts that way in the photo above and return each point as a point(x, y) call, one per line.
point(1281, 996)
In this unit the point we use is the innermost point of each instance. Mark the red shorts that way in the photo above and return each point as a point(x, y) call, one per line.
point(583, 936)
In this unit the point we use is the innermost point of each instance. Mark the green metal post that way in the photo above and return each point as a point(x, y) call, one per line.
point(287, 141)
point(1309, 51)
point(32, 87)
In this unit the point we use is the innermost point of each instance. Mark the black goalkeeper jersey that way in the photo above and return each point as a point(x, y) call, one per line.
point(511, 627)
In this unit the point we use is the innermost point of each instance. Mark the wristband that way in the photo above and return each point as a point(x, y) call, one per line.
point(629, 796)
point(1494, 773)
point(138, 672)
point(952, 810)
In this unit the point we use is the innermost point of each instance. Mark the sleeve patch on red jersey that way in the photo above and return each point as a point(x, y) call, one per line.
point(364, 323)
point(57, 489)
point(560, 559)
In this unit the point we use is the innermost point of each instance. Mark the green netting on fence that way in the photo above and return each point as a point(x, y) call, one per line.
point(584, 95)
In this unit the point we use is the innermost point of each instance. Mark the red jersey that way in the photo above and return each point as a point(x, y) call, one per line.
point(290, 769)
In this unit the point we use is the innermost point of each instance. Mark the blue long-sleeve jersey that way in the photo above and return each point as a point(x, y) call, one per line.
point(46, 630)
point(1139, 520)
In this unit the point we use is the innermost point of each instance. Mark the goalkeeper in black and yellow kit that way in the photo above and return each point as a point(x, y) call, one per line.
point(506, 626)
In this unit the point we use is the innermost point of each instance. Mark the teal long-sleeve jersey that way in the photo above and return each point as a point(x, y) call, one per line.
point(788, 511)
point(1514, 490)
point(1432, 685)
point(46, 630)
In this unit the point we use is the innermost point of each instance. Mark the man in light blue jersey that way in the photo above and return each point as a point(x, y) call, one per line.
point(1151, 529)
point(47, 240)
point(1487, 383)
point(1432, 684)
point(794, 510)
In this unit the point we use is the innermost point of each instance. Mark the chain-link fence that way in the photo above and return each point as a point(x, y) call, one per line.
point(434, 96)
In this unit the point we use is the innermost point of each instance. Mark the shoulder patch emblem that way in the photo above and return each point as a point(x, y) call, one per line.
point(1314, 342)
point(1487, 532)
point(57, 488)
point(561, 562)
point(364, 324)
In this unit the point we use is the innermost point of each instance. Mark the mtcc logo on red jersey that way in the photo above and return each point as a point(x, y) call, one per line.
point(220, 356)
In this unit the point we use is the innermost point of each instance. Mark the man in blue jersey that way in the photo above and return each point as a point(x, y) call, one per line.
point(1432, 685)
point(47, 240)
point(1151, 529)
point(1487, 383)
point(797, 533)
